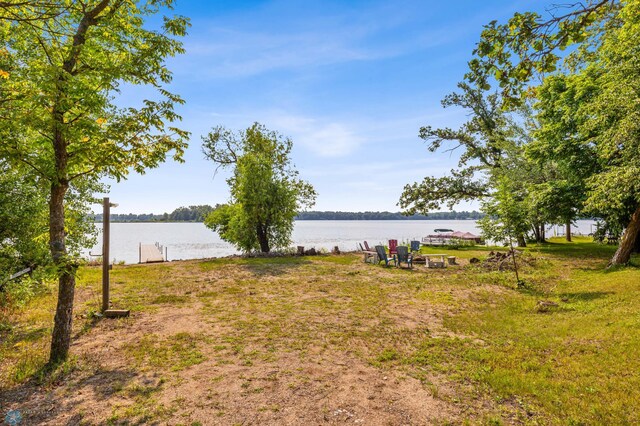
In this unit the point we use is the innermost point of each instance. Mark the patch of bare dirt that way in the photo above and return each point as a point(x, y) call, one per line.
point(317, 384)
point(319, 388)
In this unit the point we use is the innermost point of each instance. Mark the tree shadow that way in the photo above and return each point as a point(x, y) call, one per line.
point(604, 267)
point(88, 325)
point(38, 403)
point(585, 296)
point(273, 266)
point(33, 335)
point(574, 250)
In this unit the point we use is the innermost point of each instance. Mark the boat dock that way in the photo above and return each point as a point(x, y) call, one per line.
point(151, 253)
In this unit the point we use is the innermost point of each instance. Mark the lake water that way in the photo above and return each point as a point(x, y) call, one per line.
point(195, 241)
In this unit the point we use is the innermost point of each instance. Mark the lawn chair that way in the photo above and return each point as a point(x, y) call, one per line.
point(382, 256)
point(366, 247)
point(404, 256)
point(393, 245)
point(415, 246)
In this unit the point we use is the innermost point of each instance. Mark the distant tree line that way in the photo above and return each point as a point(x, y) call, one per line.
point(199, 213)
point(329, 215)
point(181, 214)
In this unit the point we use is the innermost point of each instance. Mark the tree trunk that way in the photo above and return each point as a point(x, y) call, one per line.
point(568, 232)
point(536, 233)
point(543, 237)
point(521, 241)
point(65, 267)
point(61, 337)
point(628, 241)
point(263, 239)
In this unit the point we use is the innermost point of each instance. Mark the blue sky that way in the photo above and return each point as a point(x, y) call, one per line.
point(351, 82)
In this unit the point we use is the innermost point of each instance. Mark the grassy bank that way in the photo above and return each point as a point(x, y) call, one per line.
point(331, 339)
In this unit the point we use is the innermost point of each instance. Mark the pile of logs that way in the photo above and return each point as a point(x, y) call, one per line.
point(502, 260)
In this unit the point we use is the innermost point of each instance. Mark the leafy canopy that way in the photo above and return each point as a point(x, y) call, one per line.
point(60, 76)
point(61, 70)
point(266, 193)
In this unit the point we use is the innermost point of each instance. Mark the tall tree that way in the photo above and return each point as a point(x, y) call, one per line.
point(605, 35)
point(266, 193)
point(59, 113)
point(615, 120)
point(561, 144)
point(490, 147)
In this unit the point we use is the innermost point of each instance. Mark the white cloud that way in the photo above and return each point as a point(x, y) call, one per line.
point(331, 140)
point(326, 139)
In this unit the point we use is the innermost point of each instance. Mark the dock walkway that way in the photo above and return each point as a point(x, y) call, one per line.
point(150, 253)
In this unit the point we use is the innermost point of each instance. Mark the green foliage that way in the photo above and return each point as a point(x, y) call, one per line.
point(588, 119)
point(266, 193)
point(579, 149)
point(23, 221)
point(562, 146)
point(528, 44)
point(482, 139)
point(507, 215)
point(24, 237)
point(181, 214)
point(230, 222)
point(62, 68)
point(64, 81)
point(492, 165)
point(17, 293)
point(190, 214)
point(615, 190)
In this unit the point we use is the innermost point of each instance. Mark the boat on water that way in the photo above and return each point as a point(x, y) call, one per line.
point(444, 237)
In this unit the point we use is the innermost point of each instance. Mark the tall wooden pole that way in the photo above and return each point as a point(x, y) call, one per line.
point(105, 253)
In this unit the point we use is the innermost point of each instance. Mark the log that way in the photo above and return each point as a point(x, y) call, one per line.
point(116, 313)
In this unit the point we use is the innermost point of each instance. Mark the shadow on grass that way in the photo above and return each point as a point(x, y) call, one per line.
point(102, 382)
point(604, 267)
point(273, 266)
point(32, 335)
point(575, 250)
point(90, 323)
point(586, 296)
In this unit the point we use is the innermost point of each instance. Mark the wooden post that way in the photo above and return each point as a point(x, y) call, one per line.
point(106, 207)
point(166, 254)
point(515, 265)
point(139, 252)
point(106, 228)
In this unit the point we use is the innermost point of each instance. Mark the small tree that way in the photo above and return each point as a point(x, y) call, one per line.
point(266, 193)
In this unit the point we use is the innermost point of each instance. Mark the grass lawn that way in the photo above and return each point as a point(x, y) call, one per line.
point(329, 339)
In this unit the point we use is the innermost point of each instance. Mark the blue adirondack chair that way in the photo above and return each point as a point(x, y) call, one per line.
point(382, 256)
point(415, 246)
point(404, 256)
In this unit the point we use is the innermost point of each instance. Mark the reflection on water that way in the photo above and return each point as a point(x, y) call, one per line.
point(195, 241)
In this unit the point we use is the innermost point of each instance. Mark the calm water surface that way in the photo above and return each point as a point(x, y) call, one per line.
point(195, 241)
